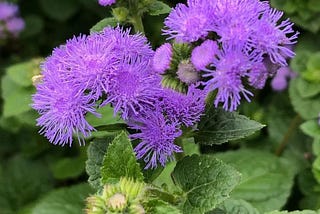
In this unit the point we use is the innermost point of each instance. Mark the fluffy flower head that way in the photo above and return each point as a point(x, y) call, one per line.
point(162, 58)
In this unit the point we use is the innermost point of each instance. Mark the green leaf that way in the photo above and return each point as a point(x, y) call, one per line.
point(96, 151)
point(308, 108)
point(68, 167)
point(206, 182)
point(219, 126)
point(164, 180)
point(307, 89)
point(22, 182)
point(311, 128)
point(106, 22)
point(156, 206)
point(68, 200)
point(158, 7)
point(266, 179)
point(233, 206)
point(316, 169)
point(107, 117)
point(120, 161)
point(60, 10)
point(294, 212)
point(22, 73)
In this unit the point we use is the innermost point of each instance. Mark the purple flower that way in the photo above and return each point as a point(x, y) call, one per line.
point(7, 10)
point(273, 39)
point(162, 58)
point(62, 111)
point(184, 108)
point(85, 62)
point(204, 54)
point(258, 75)
point(132, 87)
point(235, 20)
point(188, 23)
point(280, 80)
point(230, 66)
point(15, 25)
point(187, 72)
point(106, 2)
point(129, 46)
point(111, 64)
point(157, 136)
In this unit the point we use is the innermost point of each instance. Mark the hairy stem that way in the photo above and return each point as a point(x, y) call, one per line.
point(137, 24)
point(285, 140)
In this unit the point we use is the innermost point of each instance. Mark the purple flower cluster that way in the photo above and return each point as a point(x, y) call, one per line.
point(116, 68)
point(10, 22)
point(111, 63)
point(245, 32)
point(106, 2)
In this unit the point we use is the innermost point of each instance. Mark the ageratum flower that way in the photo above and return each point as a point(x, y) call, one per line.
point(133, 86)
point(184, 108)
point(62, 111)
point(204, 54)
point(85, 62)
point(162, 58)
point(187, 73)
point(157, 135)
point(8, 10)
point(106, 2)
point(230, 66)
point(275, 40)
point(236, 19)
point(10, 23)
point(110, 64)
point(129, 46)
point(188, 23)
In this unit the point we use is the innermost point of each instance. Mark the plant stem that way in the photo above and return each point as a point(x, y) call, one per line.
point(179, 155)
point(137, 24)
point(285, 140)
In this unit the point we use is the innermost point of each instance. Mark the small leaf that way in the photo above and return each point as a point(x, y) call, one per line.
point(158, 7)
point(106, 22)
point(206, 182)
point(307, 89)
point(316, 169)
point(233, 206)
point(219, 126)
point(64, 201)
point(120, 161)
point(308, 108)
point(96, 152)
point(68, 167)
point(266, 179)
point(156, 206)
point(107, 117)
point(293, 212)
point(311, 128)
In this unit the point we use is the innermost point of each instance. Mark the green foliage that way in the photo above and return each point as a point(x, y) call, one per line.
point(219, 126)
point(294, 212)
point(309, 107)
point(68, 167)
point(120, 161)
point(266, 180)
point(158, 7)
point(22, 181)
point(232, 206)
point(68, 200)
point(157, 206)
point(96, 152)
point(205, 181)
point(110, 21)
